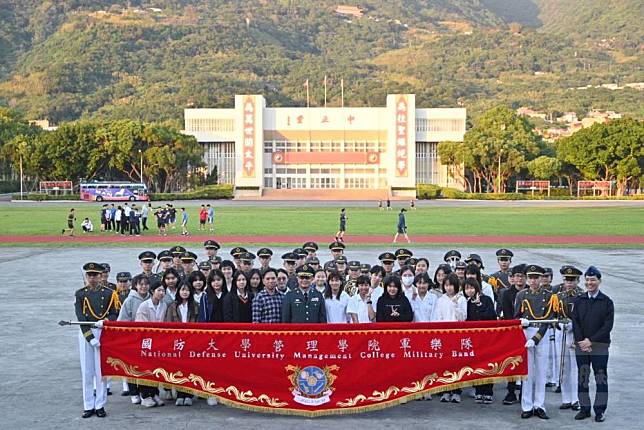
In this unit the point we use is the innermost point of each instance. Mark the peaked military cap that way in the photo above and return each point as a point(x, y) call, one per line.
point(330, 265)
point(365, 268)
point(264, 252)
point(567, 271)
point(474, 257)
point(147, 256)
point(593, 271)
point(236, 251)
point(460, 265)
point(454, 254)
point(387, 257)
point(247, 257)
point(533, 269)
point(336, 246)
point(312, 260)
point(300, 252)
point(290, 257)
point(341, 260)
point(205, 265)
point(164, 256)
point(503, 252)
point(123, 276)
point(177, 250)
point(106, 267)
point(403, 253)
point(211, 244)
point(305, 270)
point(354, 265)
point(92, 268)
point(411, 261)
point(518, 269)
point(310, 246)
point(547, 271)
point(188, 256)
point(217, 259)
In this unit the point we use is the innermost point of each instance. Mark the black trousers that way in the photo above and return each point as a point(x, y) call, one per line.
point(124, 226)
point(598, 360)
point(145, 223)
point(133, 389)
point(183, 394)
point(484, 390)
point(147, 392)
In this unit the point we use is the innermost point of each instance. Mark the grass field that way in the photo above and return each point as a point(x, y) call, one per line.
point(260, 220)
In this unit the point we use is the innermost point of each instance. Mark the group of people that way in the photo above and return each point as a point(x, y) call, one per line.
point(125, 219)
point(173, 286)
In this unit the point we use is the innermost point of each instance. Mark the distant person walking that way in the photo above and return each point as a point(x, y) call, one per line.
point(412, 205)
point(184, 222)
point(380, 205)
point(388, 204)
point(71, 218)
point(402, 226)
point(211, 218)
point(339, 236)
point(203, 216)
point(145, 213)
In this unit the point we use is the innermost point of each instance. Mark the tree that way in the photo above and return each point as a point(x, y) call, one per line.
point(499, 145)
point(613, 151)
point(544, 167)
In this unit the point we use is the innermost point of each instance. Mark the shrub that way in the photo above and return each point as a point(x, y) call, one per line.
point(209, 192)
point(428, 192)
point(46, 197)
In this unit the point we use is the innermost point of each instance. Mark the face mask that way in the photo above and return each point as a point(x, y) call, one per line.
point(407, 280)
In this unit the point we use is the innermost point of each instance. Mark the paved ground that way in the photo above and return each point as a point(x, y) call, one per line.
point(40, 377)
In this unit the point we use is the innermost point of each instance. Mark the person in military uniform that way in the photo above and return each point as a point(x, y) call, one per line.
point(165, 261)
point(235, 253)
point(288, 261)
point(105, 276)
point(304, 304)
point(552, 375)
point(365, 268)
point(387, 260)
point(339, 236)
point(264, 255)
point(451, 257)
point(94, 303)
point(311, 248)
point(314, 262)
point(123, 289)
point(337, 249)
point(565, 339)
point(177, 251)
point(341, 265)
point(211, 247)
point(516, 283)
point(188, 259)
point(205, 267)
point(402, 255)
point(531, 305)
point(351, 284)
point(246, 262)
point(301, 256)
point(459, 271)
point(146, 260)
point(501, 277)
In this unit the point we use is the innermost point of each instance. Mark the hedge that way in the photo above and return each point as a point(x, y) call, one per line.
point(429, 191)
point(208, 192)
point(45, 197)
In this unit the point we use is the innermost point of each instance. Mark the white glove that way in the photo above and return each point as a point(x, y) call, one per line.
point(530, 343)
point(525, 322)
point(95, 343)
point(98, 324)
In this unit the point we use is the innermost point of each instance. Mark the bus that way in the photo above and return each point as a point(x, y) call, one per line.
point(113, 191)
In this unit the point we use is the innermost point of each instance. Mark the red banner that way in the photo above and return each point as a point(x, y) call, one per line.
point(314, 370)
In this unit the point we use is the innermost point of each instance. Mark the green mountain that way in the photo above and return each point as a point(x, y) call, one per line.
point(64, 60)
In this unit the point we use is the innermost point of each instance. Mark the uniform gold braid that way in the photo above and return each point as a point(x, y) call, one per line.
point(87, 305)
point(554, 305)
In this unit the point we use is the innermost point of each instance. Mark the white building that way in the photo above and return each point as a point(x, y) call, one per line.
point(267, 151)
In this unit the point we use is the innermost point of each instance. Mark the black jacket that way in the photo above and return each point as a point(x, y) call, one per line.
point(593, 318)
point(507, 306)
point(387, 303)
point(483, 311)
point(232, 311)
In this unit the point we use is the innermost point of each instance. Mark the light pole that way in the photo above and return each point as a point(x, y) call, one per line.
point(21, 176)
point(498, 176)
point(141, 169)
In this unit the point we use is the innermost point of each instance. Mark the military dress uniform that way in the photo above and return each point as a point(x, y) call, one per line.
point(211, 247)
point(451, 257)
point(402, 255)
point(264, 255)
point(535, 306)
point(93, 304)
point(501, 279)
point(301, 306)
point(311, 248)
point(387, 259)
point(150, 257)
point(565, 342)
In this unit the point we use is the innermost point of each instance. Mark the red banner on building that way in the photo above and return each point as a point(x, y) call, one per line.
point(314, 370)
point(248, 159)
point(402, 122)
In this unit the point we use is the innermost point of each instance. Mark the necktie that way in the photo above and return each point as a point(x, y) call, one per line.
point(306, 297)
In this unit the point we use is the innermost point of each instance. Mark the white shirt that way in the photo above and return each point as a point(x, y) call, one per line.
point(88, 224)
point(197, 297)
point(423, 307)
point(127, 210)
point(375, 295)
point(144, 211)
point(117, 215)
point(409, 292)
point(183, 311)
point(359, 307)
point(336, 309)
point(447, 309)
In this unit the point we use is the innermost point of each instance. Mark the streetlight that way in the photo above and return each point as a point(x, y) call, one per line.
point(21, 176)
point(141, 169)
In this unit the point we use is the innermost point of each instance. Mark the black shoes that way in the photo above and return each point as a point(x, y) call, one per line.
point(101, 413)
point(109, 392)
point(558, 390)
point(510, 398)
point(600, 418)
point(576, 406)
point(88, 413)
point(527, 414)
point(541, 414)
point(582, 415)
point(566, 406)
point(125, 393)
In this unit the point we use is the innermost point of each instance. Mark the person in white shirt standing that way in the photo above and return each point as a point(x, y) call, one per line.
point(336, 300)
point(360, 307)
point(424, 302)
point(407, 281)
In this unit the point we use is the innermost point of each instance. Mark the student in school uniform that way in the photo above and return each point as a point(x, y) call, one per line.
point(336, 299)
point(238, 303)
point(393, 305)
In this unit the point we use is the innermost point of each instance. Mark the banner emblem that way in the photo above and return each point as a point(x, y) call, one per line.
point(312, 385)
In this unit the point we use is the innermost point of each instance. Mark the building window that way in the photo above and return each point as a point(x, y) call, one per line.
point(427, 163)
point(221, 155)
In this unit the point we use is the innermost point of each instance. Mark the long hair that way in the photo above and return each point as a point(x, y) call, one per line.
point(473, 269)
point(260, 286)
point(333, 275)
point(197, 275)
point(219, 274)
point(190, 301)
point(453, 280)
point(170, 271)
point(423, 277)
point(446, 269)
point(395, 280)
point(236, 275)
point(472, 283)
